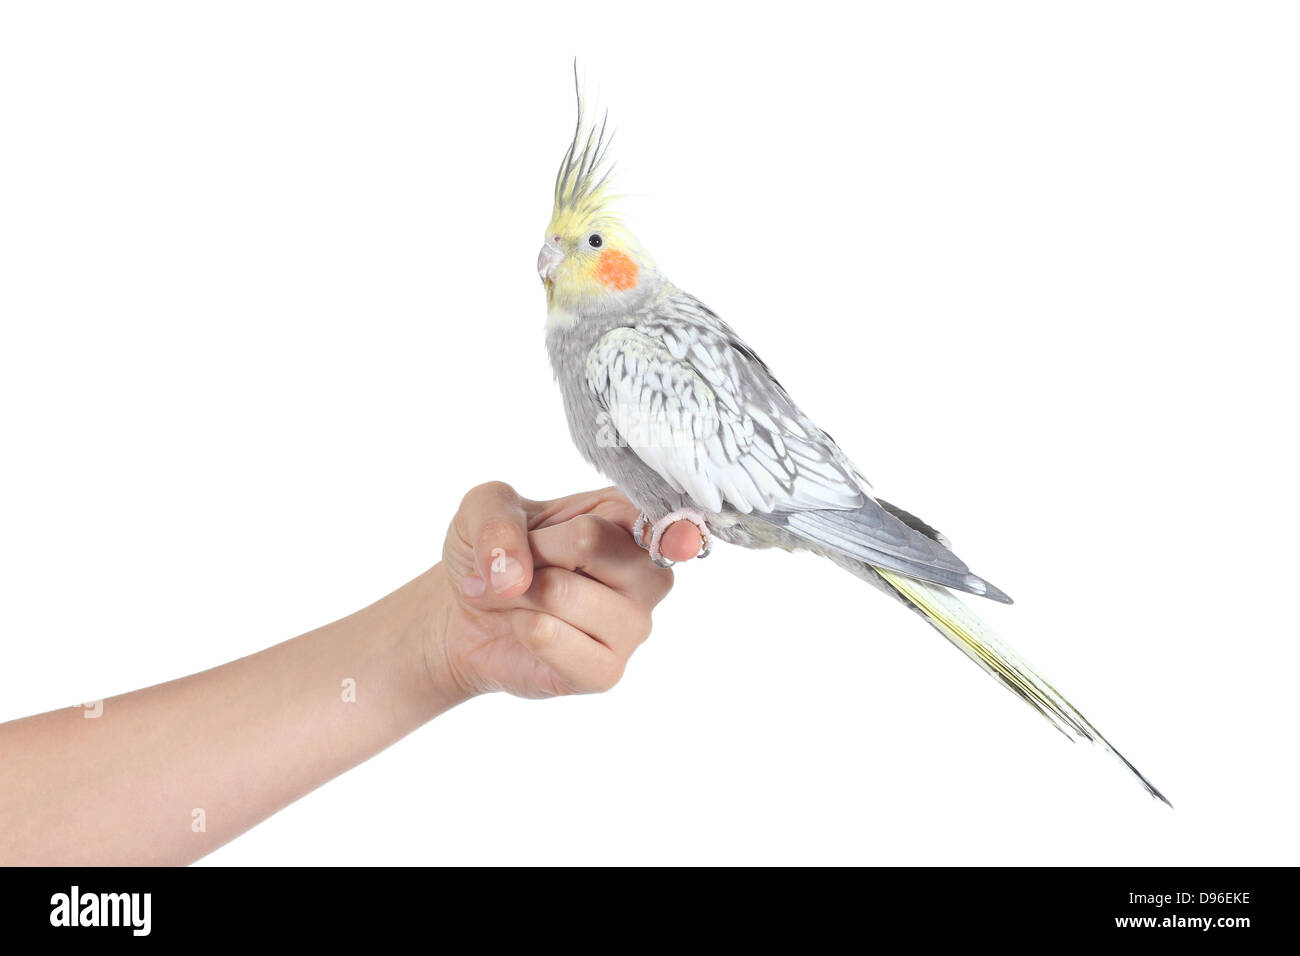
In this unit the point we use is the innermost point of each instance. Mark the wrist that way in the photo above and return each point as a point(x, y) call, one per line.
point(443, 681)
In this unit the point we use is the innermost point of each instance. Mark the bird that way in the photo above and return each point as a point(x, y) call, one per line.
point(669, 402)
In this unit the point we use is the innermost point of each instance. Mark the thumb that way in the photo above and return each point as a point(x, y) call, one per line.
point(495, 523)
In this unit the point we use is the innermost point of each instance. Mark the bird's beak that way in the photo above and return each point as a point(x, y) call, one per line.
point(549, 259)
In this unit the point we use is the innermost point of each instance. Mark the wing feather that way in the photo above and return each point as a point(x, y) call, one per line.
point(702, 410)
point(686, 420)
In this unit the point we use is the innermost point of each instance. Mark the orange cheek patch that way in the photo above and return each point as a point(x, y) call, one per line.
point(616, 270)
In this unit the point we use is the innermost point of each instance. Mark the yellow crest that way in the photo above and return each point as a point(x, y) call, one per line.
point(581, 185)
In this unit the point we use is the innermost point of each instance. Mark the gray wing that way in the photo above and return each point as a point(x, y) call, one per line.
point(694, 403)
point(915, 523)
point(705, 437)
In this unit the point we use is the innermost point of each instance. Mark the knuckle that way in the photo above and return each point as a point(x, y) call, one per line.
point(552, 588)
point(588, 534)
point(609, 676)
point(543, 630)
point(658, 585)
point(643, 626)
point(664, 582)
point(487, 491)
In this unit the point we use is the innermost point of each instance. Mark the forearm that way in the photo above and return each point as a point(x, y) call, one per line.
point(225, 748)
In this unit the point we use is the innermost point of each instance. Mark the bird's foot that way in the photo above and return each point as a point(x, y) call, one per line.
point(692, 515)
point(638, 530)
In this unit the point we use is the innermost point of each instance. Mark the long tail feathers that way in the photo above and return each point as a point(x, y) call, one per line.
point(977, 641)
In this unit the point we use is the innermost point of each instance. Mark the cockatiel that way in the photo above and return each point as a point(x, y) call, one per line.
point(672, 406)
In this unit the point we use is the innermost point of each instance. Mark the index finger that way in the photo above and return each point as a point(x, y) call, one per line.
point(604, 551)
point(681, 542)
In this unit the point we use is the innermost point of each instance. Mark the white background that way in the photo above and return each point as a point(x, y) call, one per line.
point(269, 309)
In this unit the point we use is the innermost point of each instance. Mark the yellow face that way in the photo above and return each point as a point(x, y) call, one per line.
point(589, 262)
point(586, 258)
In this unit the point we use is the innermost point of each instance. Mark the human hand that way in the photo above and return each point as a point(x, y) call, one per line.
point(544, 598)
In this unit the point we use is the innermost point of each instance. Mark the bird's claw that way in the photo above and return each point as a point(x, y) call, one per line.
point(638, 531)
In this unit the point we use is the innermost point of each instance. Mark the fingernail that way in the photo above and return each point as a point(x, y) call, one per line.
point(506, 573)
point(473, 586)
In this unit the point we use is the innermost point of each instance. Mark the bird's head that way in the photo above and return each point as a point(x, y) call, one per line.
point(590, 263)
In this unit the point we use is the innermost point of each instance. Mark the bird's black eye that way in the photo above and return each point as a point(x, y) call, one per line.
point(595, 241)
